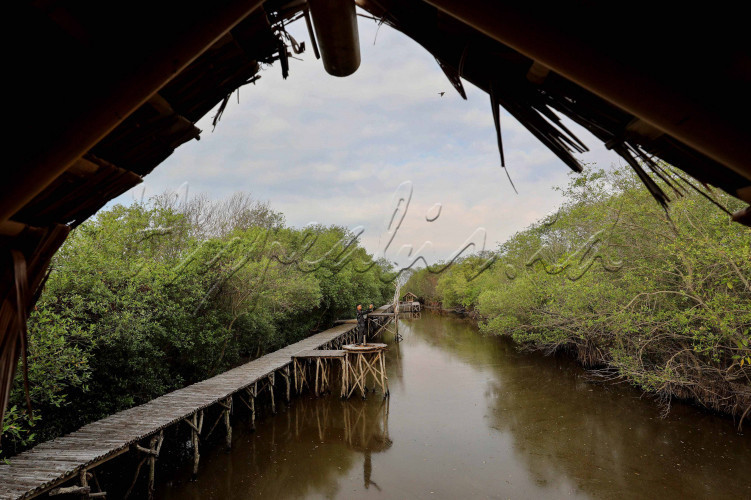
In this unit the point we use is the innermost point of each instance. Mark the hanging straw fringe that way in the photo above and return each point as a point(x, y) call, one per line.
point(497, 121)
point(655, 190)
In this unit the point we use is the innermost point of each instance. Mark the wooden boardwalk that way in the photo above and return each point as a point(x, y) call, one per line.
point(54, 462)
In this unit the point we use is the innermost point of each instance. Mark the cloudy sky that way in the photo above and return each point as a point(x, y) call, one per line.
point(336, 150)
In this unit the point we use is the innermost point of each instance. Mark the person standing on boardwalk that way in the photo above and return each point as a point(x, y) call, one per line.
point(361, 319)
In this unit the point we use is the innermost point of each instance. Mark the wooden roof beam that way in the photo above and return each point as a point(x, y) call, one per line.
point(103, 98)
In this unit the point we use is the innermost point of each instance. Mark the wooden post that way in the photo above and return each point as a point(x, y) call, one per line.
point(253, 412)
point(285, 374)
point(99, 492)
point(195, 437)
point(85, 485)
point(227, 425)
point(325, 367)
point(271, 390)
point(294, 369)
point(344, 376)
point(318, 366)
point(155, 446)
point(152, 467)
point(252, 397)
point(384, 384)
point(194, 442)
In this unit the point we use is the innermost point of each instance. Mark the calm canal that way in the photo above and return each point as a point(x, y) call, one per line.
point(469, 417)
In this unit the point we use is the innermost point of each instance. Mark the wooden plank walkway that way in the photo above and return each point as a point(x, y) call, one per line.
point(54, 462)
point(319, 353)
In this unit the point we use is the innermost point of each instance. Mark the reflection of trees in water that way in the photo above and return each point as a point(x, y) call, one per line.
point(460, 338)
point(302, 451)
point(604, 439)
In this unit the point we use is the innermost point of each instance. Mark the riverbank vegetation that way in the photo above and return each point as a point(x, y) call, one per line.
point(148, 298)
point(660, 300)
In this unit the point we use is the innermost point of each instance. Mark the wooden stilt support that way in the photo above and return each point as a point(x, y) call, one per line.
point(135, 477)
point(84, 485)
point(252, 391)
point(285, 373)
point(384, 384)
point(253, 412)
point(362, 361)
point(224, 415)
point(272, 379)
point(155, 446)
point(300, 373)
point(227, 424)
point(318, 367)
point(344, 377)
point(71, 490)
point(294, 373)
point(150, 455)
point(99, 492)
point(195, 433)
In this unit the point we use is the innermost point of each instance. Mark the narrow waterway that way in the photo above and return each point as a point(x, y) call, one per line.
point(470, 417)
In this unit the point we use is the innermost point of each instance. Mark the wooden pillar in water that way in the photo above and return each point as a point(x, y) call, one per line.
point(286, 375)
point(362, 361)
point(253, 412)
point(344, 376)
point(271, 382)
point(155, 446)
point(227, 424)
point(151, 454)
point(195, 434)
point(252, 392)
point(99, 492)
point(318, 367)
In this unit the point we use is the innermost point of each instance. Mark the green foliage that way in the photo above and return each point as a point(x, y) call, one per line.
point(147, 298)
point(660, 299)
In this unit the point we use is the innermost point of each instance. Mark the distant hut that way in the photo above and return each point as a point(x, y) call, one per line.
point(409, 303)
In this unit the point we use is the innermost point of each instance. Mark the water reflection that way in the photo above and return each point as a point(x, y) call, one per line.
point(469, 416)
point(367, 432)
point(604, 440)
point(302, 451)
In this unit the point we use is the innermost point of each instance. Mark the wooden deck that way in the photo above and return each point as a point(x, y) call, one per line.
point(54, 462)
point(319, 353)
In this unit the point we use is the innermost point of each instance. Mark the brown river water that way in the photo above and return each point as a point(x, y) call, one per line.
point(470, 417)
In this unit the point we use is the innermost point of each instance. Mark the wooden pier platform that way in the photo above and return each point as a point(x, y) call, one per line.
point(50, 464)
point(322, 358)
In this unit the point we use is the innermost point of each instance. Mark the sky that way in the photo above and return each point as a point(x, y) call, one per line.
point(343, 150)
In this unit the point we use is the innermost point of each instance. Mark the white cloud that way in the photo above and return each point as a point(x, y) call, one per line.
point(333, 150)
